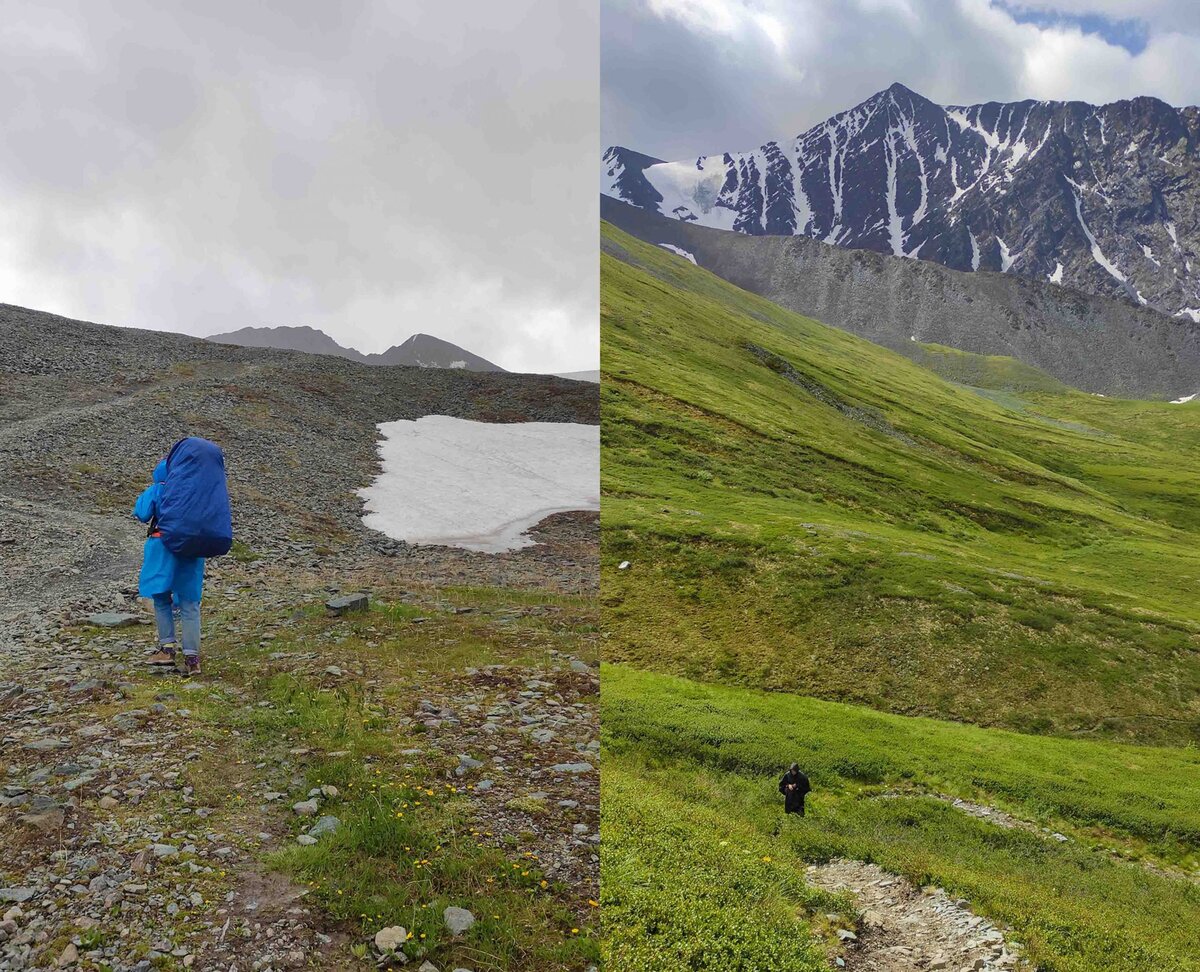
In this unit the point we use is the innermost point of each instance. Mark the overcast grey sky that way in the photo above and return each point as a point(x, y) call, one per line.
point(681, 78)
point(370, 168)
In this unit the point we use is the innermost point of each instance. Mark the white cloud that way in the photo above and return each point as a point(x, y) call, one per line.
point(370, 168)
point(685, 77)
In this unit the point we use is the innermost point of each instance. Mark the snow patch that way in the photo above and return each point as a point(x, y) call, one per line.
point(1006, 259)
point(895, 225)
point(457, 364)
point(1097, 253)
point(678, 251)
point(1182, 401)
point(1056, 277)
point(479, 485)
point(974, 252)
point(1192, 312)
point(692, 191)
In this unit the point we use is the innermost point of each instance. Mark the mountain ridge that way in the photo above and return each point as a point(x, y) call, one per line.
point(1103, 198)
point(419, 350)
point(1094, 343)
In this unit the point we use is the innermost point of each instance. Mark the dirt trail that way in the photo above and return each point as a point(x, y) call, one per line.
point(908, 929)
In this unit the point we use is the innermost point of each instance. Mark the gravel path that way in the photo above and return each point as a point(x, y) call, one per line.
point(904, 928)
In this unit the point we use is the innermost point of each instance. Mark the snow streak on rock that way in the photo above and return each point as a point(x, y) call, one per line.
point(678, 251)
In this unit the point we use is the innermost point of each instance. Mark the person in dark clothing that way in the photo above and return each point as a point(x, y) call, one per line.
point(793, 785)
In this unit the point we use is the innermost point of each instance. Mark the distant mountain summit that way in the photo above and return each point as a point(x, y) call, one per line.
point(420, 350)
point(426, 351)
point(1104, 199)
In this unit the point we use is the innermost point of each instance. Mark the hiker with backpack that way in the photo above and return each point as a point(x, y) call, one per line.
point(794, 785)
point(187, 509)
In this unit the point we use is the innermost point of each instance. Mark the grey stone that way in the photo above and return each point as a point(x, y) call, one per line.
point(113, 619)
point(458, 920)
point(46, 821)
point(572, 767)
point(466, 764)
point(324, 825)
point(347, 603)
point(306, 808)
point(45, 745)
point(391, 938)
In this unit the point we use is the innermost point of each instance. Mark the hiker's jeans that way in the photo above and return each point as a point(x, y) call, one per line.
point(189, 623)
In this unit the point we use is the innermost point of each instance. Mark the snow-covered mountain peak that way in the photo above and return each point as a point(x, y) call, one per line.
point(1099, 198)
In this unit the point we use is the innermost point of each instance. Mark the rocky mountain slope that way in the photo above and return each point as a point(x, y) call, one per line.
point(420, 350)
point(1104, 199)
point(1099, 344)
point(152, 822)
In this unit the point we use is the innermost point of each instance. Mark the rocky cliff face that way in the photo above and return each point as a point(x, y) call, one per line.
point(1103, 199)
point(1099, 344)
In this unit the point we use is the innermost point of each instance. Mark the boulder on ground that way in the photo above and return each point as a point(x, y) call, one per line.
point(347, 603)
point(457, 920)
point(113, 619)
point(391, 938)
point(324, 825)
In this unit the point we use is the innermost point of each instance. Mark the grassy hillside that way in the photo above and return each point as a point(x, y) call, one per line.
point(993, 371)
point(694, 839)
point(806, 512)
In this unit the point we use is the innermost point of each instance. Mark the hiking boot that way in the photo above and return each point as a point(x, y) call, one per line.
point(164, 656)
point(191, 665)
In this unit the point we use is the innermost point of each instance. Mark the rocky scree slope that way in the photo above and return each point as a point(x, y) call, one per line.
point(87, 410)
point(1100, 198)
point(1098, 344)
point(135, 817)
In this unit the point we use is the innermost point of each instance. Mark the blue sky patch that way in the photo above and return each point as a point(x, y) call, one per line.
point(1131, 34)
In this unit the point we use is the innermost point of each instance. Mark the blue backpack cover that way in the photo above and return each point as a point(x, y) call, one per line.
point(193, 507)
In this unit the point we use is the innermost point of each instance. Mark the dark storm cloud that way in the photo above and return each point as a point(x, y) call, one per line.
point(368, 168)
point(687, 77)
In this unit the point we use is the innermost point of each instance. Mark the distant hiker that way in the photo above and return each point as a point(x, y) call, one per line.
point(794, 785)
point(187, 508)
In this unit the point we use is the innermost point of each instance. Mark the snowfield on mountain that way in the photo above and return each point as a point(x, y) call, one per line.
point(480, 485)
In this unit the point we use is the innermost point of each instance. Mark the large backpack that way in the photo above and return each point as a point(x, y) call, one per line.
point(193, 506)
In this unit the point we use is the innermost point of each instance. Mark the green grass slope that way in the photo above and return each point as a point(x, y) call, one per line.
point(804, 511)
point(697, 854)
point(993, 371)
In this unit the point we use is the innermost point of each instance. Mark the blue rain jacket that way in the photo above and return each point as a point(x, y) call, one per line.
point(162, 571)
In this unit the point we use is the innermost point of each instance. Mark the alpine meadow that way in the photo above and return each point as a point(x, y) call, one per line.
point(962, 594)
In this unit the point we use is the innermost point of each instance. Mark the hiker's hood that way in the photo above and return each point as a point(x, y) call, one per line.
point(160, 471)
